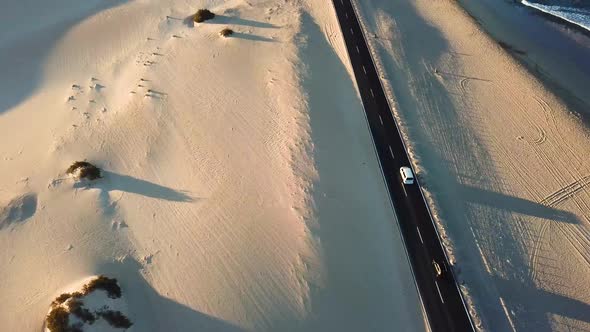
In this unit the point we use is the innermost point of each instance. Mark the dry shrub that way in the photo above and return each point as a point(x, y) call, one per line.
point(203, 15)
point(85, 170)
point(226, 32)
point(61, 299)
point(107, 284)
point(58, 320)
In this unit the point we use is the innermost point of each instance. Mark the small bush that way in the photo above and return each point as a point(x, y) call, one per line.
point(58, 320)
point(66, 304)
point(226, 32)
point(203, 15)
point(61, 299)
point(77, 295)
point(109, 285)
point(115, 318)
point(85, 170)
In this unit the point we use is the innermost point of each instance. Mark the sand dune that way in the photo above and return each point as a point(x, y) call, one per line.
point(239, 190)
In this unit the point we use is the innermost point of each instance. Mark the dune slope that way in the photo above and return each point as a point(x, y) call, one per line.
point(239, 188)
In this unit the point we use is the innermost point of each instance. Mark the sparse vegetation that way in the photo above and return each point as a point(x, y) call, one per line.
point(107, 284)
point(85, 170)
point(77, 295)
point(115, 319)
point(226, 32)
point(58, 320)
point(61, 299)
point(66, 304)
point(203, 15)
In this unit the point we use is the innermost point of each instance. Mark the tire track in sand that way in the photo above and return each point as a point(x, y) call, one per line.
point(566, 192)
point(538, 243)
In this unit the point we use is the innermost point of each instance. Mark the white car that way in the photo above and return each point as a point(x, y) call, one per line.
point(407, 175)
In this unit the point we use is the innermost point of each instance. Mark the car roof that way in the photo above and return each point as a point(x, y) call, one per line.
point(407, 171)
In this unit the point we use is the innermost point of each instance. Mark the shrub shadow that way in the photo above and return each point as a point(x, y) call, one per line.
point(125, 183)
point(151, 311)
point(224, 19)
point(246, 36)
point(189, 21)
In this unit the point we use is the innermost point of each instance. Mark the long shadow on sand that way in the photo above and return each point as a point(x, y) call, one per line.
point(151, 311)
point(224, 19)
point(366, 282)
point(125, 183)
point(516, 204)
point(553, 303)
point(247, 36)
point(477, 221)
point(22, 61)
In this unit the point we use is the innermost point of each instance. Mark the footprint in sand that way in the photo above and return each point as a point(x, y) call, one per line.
point(18, 210)
point(151, 93)
point(118, 224)
point(97, 86)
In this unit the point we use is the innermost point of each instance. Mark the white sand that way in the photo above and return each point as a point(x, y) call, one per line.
point(502, 154)
point(240, 187)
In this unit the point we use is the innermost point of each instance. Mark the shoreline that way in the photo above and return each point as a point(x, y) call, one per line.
point(563, 42)
point(555, 18)
point(526, 57)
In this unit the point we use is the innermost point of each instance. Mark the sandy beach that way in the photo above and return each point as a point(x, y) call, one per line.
point(500, 148)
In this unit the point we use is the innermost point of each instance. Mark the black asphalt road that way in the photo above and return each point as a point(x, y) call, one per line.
point(441, 298)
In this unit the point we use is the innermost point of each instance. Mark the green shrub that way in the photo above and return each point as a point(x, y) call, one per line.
point(226, 32)
point(203, 15)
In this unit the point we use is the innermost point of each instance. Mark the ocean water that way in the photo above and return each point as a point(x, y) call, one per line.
point(578, 14)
